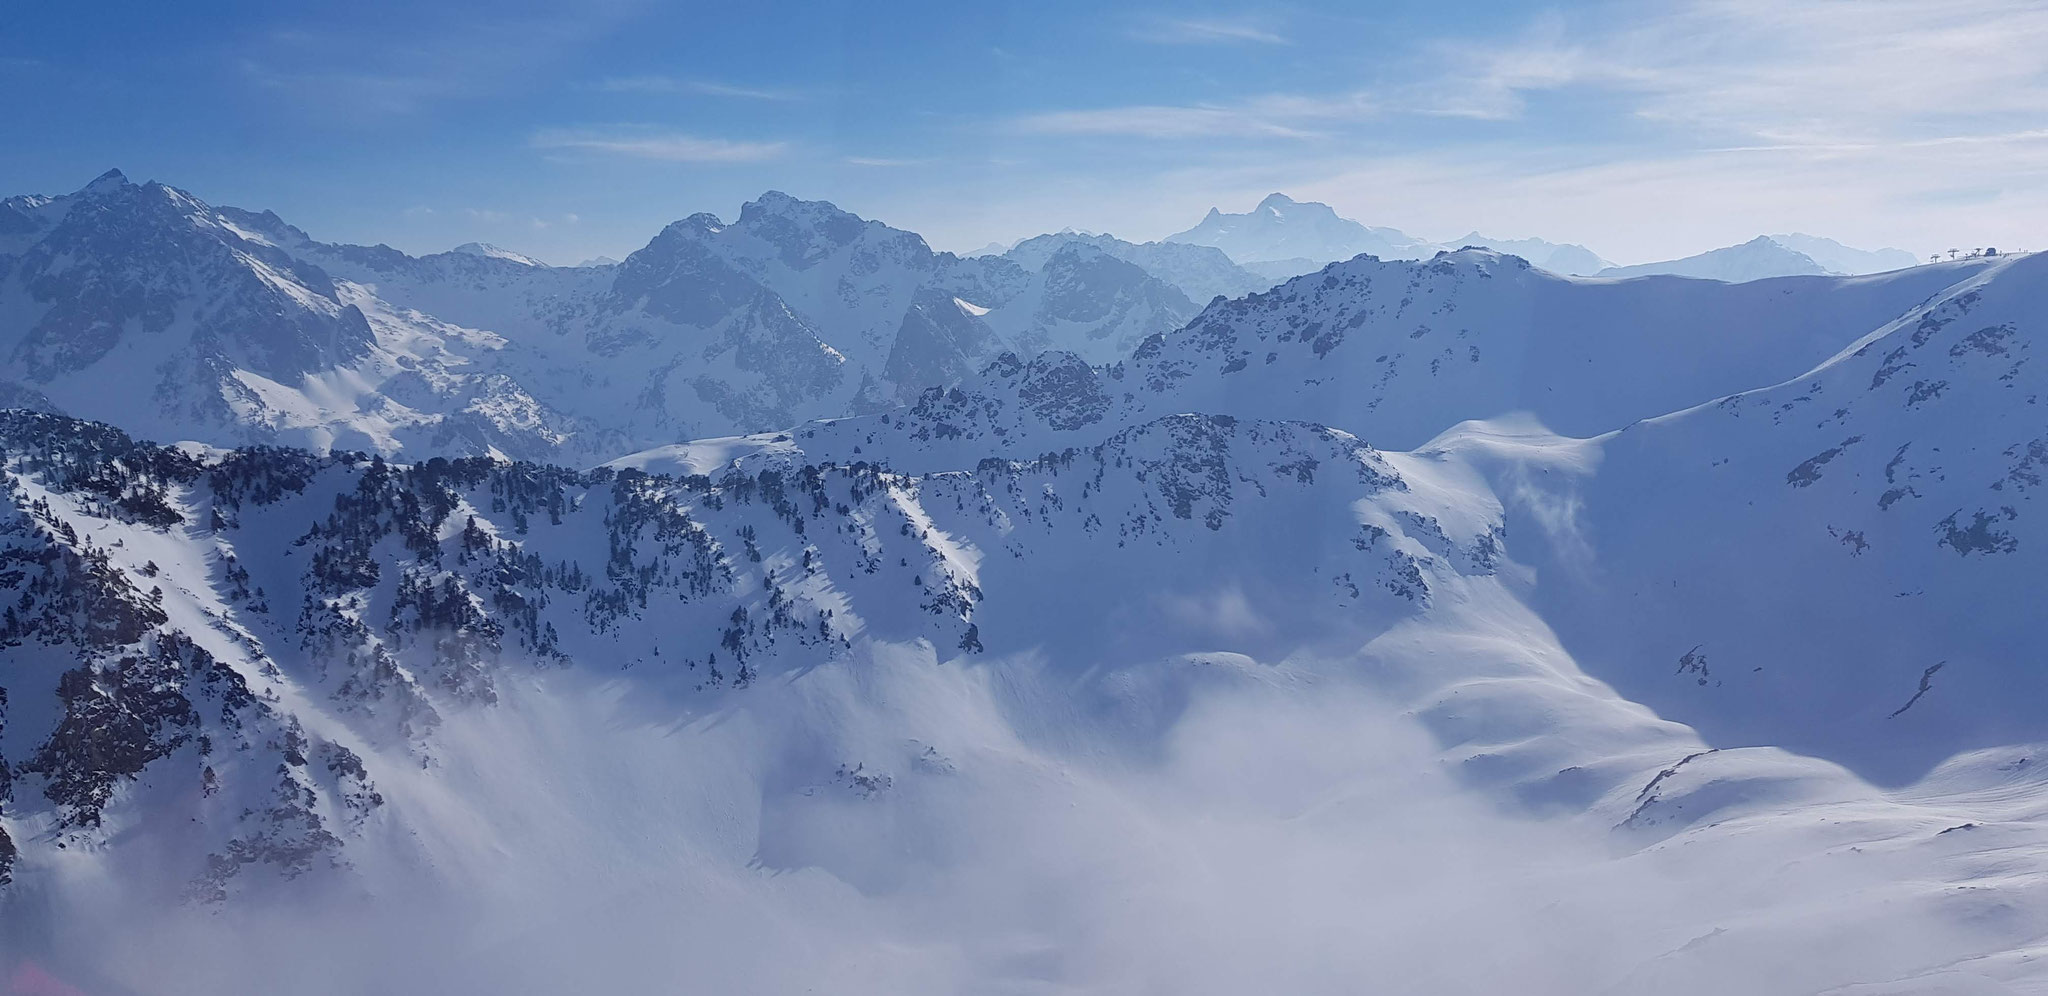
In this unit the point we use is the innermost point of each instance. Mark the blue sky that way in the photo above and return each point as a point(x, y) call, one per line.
point(566, 130)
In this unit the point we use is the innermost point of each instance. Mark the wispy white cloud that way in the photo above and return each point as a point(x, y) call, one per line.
point(706, 88)
point(1207, 31)
point(1157, 121)
point(357, 70)
point(637, 143)
point(881, 162)
point(356, 95)
point(1274, 116)
point(1903, 122)
point(1490, 83)
point(1783, 69)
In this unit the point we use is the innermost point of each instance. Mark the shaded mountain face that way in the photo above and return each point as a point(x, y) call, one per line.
point(1092, 303)
point(139, 297)
point(1756, 259)
point(1203, 273)
point(1570, 260)
point(1898, 483)
point(1281, 228)
point(1702, 640)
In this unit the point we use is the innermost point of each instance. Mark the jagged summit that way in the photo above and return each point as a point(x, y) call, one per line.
point(112, 179)
point(1281, 228)
point(777, 203)
point(146, 306)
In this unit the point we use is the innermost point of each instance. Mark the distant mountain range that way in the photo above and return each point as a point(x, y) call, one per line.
point(1774, 256)
point(1282, 238)
point(142, 305)
point(1287, 235)
point(1282, 228)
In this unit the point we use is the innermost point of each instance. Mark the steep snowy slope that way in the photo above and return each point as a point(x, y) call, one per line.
point(1282, 228)
point(1400, 351)
point(1756, 259)
point(141, 305)
point(1895, 488)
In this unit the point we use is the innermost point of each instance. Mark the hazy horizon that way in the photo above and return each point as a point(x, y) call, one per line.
point(570, 133)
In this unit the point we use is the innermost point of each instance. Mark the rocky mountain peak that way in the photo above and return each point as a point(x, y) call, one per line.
point(110, 180)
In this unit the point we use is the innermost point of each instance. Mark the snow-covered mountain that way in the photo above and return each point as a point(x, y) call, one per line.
point(141, 305)
point(1895, 483)
point(1282, 228)
point(1088, 301)
point(1398, 351)
point(230, 326)
point(1284, 238)
point(520, 728)
point(1771, 256)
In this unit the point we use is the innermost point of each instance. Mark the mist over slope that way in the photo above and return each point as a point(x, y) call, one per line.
point(1444, 625)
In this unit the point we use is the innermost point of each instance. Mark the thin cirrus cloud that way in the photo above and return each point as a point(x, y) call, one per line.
point(661, 146)
point(1207, 31)
point(1785, 70)
point(1276, 116)
point(703, 88)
